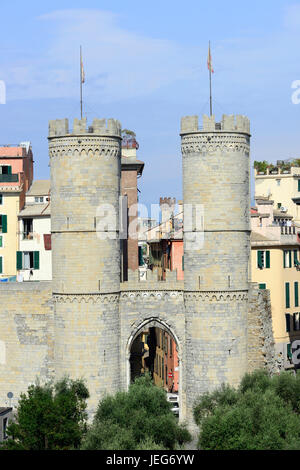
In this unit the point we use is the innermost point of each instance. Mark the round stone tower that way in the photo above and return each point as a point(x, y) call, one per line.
point(216, 250)
point(85, 188)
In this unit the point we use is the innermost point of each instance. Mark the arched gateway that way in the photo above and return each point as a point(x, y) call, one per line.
point(158, 364)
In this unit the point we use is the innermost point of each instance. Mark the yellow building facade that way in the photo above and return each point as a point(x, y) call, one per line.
point(282, 186)
point(275, 265)
point(9, 209)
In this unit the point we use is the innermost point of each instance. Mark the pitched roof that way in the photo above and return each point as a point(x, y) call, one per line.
point(39, 188)
point(35, 210)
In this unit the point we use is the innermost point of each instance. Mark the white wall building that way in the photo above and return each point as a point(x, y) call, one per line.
point(34, 259)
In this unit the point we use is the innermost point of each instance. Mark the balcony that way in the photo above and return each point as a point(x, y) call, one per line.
point(5, 178)
point(288, 230)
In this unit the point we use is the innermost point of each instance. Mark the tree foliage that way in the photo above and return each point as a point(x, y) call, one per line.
point(262, 414)
point(138, 419)
point(49, 417)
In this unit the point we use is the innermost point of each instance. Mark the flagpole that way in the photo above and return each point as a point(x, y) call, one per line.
point(210, 98)
point(80, 83)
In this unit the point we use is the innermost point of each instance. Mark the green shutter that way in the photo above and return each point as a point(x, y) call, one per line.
point(262, 286)
point(19, 260)
point(295, 257)
point(1, 241)
point(298, 185)
point(260, 259)
point(284, 265)
point(9, 170)
point(290, 258)
point(4, 223)
point(1, 265)
point(296, 294)
point(182, 262)
point(288, 322)
point(267, 259)
point(289, 350)
point(287, 295)
point(36, 260)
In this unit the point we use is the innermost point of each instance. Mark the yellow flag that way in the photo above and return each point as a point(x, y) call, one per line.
point(209, 64)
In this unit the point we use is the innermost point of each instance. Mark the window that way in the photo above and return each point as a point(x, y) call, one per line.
point(287, 322)
point(183, 263)
point(278, 182)
point(5, 170)
point(3, 223)
point(296, 294)
point(263, 259)
point(28, 260)
point(287, 295)
point(262, 286)
point(287, 258)
point(296, 321)
point(4, 428)
point(298, 185)
point(1, 241)
point(28, 229)
point(278, 204)
point(166, 375)
point(1, 199)
point(1, 264)
point(171, 347)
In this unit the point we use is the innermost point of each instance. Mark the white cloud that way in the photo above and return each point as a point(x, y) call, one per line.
point(118, 63)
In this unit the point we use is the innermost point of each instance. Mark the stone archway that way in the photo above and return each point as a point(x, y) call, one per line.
point(155, 322)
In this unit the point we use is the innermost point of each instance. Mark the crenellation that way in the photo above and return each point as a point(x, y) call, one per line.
point(229, 123)
point(60, 127)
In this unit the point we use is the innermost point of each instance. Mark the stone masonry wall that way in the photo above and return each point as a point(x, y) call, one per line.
point(26, 337)
point(261, 345)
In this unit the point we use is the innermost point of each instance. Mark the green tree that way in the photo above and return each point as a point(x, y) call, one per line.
point(262, 414)
point(49, 417)
point(138, 419)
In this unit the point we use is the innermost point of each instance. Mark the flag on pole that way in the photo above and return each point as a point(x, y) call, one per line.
point(82, 70)
point(209, 64)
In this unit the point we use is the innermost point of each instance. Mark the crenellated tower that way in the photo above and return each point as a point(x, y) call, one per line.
point(85, 188)
point(216, 250)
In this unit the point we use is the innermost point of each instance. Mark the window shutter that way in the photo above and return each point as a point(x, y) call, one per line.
point(9, 170)
point(296, 294)
point(287, 295)
point(261, 286)
point(4, 223)
point(288, 322)
point(36, 260)
point(1, 240)
point(295, 257)
point(284, 264)
point(1, 265)
point(260, 259)
point(290, 258)
point(267, 259)
point(182, 262)
point(289, 350)
point(298, 185)
point(19, 260)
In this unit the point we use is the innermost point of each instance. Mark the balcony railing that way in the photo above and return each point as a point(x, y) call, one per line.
point(288, 230)
point(14, 178)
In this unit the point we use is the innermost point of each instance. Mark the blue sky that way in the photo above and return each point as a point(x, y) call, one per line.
point(145, 64)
